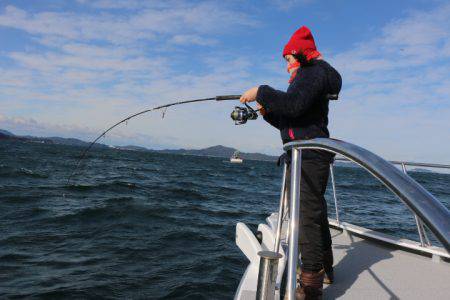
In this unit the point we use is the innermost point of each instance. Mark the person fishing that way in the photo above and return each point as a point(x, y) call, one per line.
point(301, 113)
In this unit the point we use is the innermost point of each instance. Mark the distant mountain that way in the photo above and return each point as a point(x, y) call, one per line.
point(131, 148)
point(4, 134)
point(73, 142)
point(220, 151)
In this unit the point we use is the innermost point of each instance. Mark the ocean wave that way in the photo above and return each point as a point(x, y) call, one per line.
point(102, 186)
point(210, 211)
point(186, 193)
point(136, 225)
point(368, 187)
point(9, 172)
point(14, 257)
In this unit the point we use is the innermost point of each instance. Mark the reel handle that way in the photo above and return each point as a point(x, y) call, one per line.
point(250, 108)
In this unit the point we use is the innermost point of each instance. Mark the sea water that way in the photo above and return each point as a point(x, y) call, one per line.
point(151, 225)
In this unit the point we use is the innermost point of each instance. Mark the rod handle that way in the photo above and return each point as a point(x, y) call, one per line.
point(236, 97)
point(227, 97)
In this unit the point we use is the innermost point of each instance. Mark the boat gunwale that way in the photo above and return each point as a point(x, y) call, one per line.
point(407, 245)
point(422, 204)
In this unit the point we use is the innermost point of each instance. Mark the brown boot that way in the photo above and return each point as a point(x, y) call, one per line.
point(328, 266)
point(310, 285)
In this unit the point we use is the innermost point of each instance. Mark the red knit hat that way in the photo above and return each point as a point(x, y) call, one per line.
point(302, 41)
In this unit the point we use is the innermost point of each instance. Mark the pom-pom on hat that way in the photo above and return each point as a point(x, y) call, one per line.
point(302, 42)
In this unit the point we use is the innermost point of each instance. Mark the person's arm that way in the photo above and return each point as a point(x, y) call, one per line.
point(272, 119)
point(307, 88)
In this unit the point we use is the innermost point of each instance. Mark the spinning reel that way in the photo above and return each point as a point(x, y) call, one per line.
point(240, 115)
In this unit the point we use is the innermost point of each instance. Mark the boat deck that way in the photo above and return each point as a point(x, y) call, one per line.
point(367, 264)
point(366, 269)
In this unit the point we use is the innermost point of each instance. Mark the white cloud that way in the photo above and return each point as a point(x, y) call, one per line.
point(73, 58)
point(119, 57)
point(115, 4)
point(417, 40)
point(289, 4)
point(395, 97)
point(186, 39)
point(143, 24)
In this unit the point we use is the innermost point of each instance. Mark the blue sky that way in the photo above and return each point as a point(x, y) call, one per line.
point(71, 68)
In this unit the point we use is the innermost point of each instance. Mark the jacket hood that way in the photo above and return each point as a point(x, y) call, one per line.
point(333, 77)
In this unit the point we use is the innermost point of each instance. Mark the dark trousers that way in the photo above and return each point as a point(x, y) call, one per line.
point(314, 233)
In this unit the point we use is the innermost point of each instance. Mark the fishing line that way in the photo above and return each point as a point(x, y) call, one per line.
point(165, 106)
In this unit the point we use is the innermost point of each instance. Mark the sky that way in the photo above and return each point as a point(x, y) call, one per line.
point(73, 68)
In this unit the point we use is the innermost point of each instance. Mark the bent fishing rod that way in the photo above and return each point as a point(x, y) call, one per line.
point(240, 115)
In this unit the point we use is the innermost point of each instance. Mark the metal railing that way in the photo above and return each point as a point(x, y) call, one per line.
point(423, 237)
point(425, 207)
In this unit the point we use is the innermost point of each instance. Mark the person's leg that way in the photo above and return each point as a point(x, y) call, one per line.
point(325, 226)
point(314, 237)
point(326, 243)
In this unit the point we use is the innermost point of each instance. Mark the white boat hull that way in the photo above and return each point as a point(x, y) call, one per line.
point(249, 245)
point(368, 264)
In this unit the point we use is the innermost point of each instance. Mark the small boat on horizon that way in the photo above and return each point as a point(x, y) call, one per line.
point(235, 159)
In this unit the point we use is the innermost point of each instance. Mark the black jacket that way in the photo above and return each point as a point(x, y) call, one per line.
point(302, 111)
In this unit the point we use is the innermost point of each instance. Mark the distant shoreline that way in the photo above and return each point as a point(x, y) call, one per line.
point(213, 151)
point(218, 151)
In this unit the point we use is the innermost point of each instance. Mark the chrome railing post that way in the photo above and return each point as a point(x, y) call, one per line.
point(296, 166)
point(427, 240)
point(424, 241)
point(268, 269)
point(334, 191)
point(283, 199)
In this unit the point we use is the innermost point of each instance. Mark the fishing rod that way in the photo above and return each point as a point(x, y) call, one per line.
point(240, 115)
